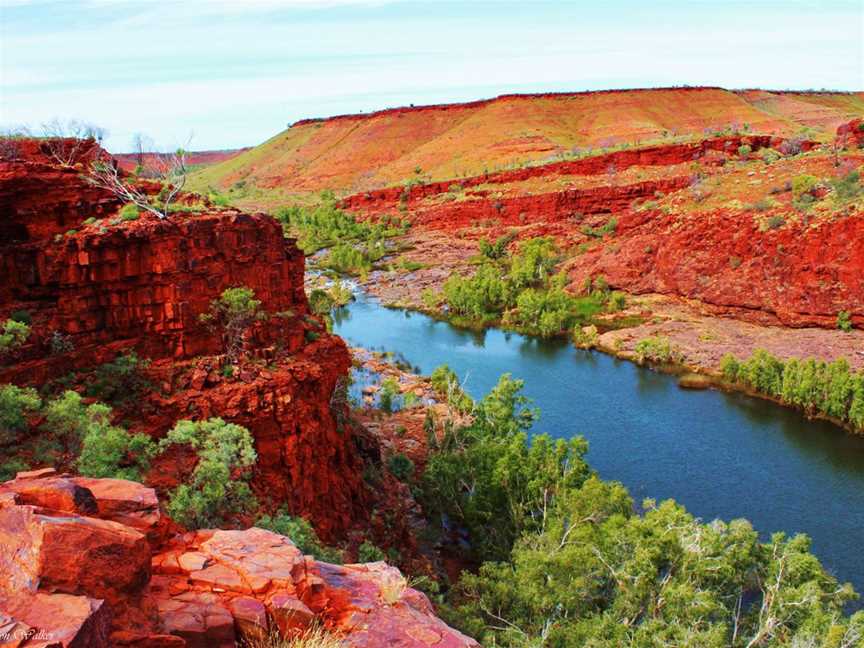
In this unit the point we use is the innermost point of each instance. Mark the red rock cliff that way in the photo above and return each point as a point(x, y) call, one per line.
point(115, 286)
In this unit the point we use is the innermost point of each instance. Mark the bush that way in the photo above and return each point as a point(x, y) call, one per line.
point(60, 343)
point(120, 380)
point(770, 156)
point(16, 404)
point(346, 258)
point(235, 311)
point(498, 249)
point(68, 419)
point(368, 552)
point(744, 150)
point(488, 479)
point(446, 383)
point(844, 321)
point(302, 534)
point(803, 184)
point(10, 468)
point(401, 467)
point(110, 451)
point(656, 349)
point(599, 232)
point(218, 485)
point(13, 335)
point(389, 395)
point(129, 212)
point(848, 187)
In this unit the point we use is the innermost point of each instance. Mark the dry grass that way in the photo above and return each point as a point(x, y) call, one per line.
point(315, 637)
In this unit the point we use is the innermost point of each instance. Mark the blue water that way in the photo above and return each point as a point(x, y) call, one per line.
point(721, 455)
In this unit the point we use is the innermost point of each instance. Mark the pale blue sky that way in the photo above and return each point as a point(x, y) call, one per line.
point(235, 72)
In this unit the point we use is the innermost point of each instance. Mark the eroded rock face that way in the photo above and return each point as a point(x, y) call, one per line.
point(306, 461)
point(800, 275)
point(144, 284)
point(86, 581)
point(40, 199)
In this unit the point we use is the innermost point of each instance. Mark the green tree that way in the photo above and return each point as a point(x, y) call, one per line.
point(16, 404)
point(235, 311)
point(12, 336)
point(218, 486)
point(110, 451)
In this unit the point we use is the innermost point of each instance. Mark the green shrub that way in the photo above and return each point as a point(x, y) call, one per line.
point(730, 367)
point(235, 311)
point(599, 232)
point(844, 321)
point(446, 383)
point(775, 222)
point(368, 552)
point(401, 467)
point(389, 395)
point(656, 349)
point(16, 404)
point(68, 419)
point(498, 249)
point(770, 156)
point(120, 380)
point(848, 187)
point(11, 467)
point(129, 212)
point(803, 184)
point(346, 258)
point(110, 451)
point(13, 336)
point(218, 485)
point(744, 150)
point(302, 534)
point(487, 478)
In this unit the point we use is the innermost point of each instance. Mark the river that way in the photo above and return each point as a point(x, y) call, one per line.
point(721, 455)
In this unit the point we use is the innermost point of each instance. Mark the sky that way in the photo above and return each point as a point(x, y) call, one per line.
point(230, 73)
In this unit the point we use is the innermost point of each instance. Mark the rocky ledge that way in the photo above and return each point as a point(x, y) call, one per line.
point(93, 563)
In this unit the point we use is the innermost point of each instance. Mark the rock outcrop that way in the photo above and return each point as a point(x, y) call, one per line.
point(76, 575)
point(798, 275)
point(115, 286)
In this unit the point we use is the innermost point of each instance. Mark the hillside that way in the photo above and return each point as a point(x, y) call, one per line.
point(353, 153)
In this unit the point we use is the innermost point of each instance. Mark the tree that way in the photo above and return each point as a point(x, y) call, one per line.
point(12, 336)
point(110, 451)
point(168, 169)
point(16, 404)
point(218, 485)
point(235, 311)
point(66, 142)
